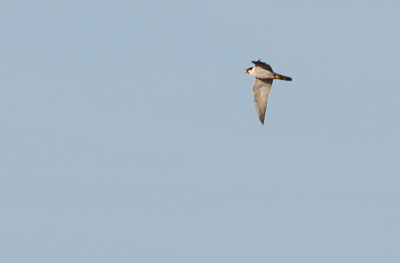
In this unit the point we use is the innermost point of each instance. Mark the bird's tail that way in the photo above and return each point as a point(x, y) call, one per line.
point(277, 76)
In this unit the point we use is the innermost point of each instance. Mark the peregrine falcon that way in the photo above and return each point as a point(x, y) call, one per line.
point(262, 86)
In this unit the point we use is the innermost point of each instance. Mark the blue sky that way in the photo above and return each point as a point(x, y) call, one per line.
point(129, 132)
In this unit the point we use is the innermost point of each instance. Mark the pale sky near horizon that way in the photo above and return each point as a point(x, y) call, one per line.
point(129, 132)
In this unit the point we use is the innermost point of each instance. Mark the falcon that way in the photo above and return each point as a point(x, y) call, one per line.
point(262, 86)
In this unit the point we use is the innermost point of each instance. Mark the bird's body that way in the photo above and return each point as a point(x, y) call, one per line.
point(262, 86)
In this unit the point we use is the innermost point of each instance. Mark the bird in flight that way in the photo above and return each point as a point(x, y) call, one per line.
point(262, 86)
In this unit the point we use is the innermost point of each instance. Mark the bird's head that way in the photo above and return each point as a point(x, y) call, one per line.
point(247, 70)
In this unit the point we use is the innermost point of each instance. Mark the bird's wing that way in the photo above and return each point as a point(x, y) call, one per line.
point(262, 65)
point(261, 89)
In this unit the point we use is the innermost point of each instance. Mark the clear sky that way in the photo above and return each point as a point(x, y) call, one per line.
point(129, 133)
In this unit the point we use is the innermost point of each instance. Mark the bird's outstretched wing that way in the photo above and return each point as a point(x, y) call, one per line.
point(263, 65)
point(261, 89)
